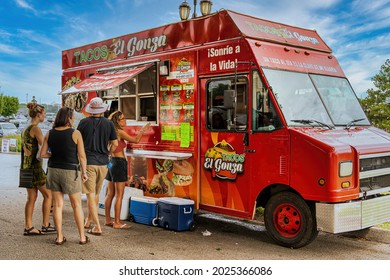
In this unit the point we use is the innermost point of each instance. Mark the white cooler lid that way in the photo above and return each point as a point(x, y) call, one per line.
point(146, 199)
point(176, 200)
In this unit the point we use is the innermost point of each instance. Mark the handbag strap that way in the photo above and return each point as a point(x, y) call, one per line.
point(22, 154)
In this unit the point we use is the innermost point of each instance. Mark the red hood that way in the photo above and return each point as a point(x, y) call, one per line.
point(365, 140)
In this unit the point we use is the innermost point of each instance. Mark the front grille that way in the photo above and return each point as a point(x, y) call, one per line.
point(374, 183)
point(374, 172)
point(367, 164)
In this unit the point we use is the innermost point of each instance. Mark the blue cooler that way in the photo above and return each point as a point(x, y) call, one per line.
point(143, 210)
point(176, 213)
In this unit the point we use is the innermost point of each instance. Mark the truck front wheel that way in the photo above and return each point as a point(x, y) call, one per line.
point(289, 220)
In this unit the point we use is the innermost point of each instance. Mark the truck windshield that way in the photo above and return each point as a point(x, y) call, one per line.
point(315, 100)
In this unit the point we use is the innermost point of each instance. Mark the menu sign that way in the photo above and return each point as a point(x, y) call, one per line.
point(177, 101)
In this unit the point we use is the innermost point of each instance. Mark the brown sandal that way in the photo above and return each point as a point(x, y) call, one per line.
point(85, 242)
point(122, 226)
point(30, 232)
point(61, 242)
point(94, 232)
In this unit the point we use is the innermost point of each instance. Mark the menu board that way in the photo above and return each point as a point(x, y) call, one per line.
point(177, 101)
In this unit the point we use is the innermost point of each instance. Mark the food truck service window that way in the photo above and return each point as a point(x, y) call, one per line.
point(136, 97)
point(227, 104)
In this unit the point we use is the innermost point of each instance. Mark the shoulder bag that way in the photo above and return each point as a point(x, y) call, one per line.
point(25, 174)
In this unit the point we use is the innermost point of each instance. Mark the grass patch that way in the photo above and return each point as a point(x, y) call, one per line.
point(259, 214)
point(385, 226)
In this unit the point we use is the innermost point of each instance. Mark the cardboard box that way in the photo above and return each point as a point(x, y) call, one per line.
point(128, 193)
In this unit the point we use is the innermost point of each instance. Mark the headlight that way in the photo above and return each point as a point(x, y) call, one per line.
point(345, 168)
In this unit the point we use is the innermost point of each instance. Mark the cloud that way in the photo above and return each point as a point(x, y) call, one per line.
point(4, 34)
point(23, 4)
point(42, 80)
point(33, 36)
point(26, 42)
point(8, 49)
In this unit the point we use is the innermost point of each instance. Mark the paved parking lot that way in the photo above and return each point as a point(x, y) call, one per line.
point(214, 238)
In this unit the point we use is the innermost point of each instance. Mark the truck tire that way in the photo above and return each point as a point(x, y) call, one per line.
point(289, 220)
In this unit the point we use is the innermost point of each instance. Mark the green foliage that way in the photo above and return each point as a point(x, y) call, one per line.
point(385, 226)
point(1, 102)
point(8, 105)
point(377, 103)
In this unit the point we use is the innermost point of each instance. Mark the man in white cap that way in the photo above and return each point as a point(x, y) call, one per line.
point(100, 140)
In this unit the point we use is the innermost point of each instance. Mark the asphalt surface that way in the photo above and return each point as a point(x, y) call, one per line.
point(214, 237)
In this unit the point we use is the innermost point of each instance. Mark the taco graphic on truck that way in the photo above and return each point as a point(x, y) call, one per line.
point(223, 161)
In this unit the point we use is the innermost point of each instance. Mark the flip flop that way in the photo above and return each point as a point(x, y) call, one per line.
point(93, 232)
point(30, 232)
point(60, 242)
point(123, 226)
point(85, 242)
point(109, 224)
point(85, 225)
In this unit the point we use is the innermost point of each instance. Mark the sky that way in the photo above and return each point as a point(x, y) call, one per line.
point(33, 33)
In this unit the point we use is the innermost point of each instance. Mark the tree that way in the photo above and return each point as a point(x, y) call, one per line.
point(8, 105)
point(377, 103)
point(1, 101)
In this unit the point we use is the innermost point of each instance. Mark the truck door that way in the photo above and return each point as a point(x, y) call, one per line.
point(268, 142)
point(243, 146)
point(224, 186)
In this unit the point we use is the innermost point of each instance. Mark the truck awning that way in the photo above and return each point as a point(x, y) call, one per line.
point(107, 80)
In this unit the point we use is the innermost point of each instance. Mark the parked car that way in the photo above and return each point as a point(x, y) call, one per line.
point(21, 127)
point(7, 129)
point(18, 122)
point(50, 117)
point(44, 128)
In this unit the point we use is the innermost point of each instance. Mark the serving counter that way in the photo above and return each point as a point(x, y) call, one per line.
point(158, 154)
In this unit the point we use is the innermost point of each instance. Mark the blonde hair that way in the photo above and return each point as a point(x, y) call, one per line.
point(114, 117)
point(34, 109)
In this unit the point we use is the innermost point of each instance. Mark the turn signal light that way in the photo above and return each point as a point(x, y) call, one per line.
point(345, 185)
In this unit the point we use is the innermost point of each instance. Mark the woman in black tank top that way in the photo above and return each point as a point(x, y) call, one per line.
point(66, 170)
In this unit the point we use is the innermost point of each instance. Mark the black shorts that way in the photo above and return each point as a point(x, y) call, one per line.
point(118, 170)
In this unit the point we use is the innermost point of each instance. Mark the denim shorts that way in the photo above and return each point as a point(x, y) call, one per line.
point(118, 170)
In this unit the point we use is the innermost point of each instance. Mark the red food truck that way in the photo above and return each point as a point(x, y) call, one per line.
point(245, 113)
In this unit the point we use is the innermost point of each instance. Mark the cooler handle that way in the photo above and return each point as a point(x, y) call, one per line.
point(187, 212)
